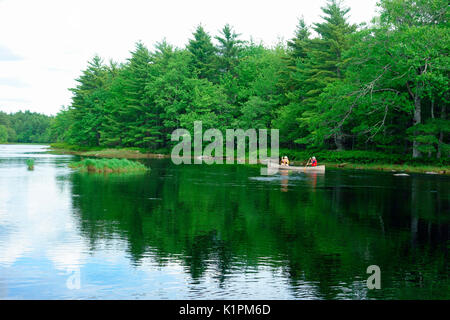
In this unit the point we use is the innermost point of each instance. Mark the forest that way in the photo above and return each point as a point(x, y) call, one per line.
point(376, 88)
point(25, 127)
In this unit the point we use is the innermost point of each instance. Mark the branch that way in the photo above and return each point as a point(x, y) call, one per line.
point(369, 87)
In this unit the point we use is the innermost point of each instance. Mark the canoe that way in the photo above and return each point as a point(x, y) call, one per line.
point(307, 169)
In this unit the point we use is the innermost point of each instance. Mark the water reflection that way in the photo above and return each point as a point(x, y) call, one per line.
point(218, 232)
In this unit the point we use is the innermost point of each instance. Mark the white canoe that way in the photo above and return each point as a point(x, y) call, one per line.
point(304, 169)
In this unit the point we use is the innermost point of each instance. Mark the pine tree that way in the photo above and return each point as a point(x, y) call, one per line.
point(228, 48)
point(204, 59)
point(87, 106)
point(299, 44)
point(291, 84)
point(143, 124)
point(325, 60)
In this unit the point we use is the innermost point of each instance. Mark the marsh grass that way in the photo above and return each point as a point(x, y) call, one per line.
point(30, 164)
point(100, 152)
point(108, 166)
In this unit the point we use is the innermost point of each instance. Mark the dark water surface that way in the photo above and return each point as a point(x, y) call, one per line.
point(218, 232)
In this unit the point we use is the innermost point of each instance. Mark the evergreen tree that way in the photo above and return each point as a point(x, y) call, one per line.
point(228, 49)
point(132, 119)
point(204, 59)
point(325, 64)
point(299, 44)
point(292, 85)
point(143, 124)
point(88, 104)
point(170, 89)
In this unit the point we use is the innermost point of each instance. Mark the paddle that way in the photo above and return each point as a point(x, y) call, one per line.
point(306, 164)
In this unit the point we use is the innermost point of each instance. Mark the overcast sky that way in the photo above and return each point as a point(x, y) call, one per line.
point(45, 44)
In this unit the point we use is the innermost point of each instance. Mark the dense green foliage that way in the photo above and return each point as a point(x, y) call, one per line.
point(109, 165)
point(380, 88)
point(3, 134)
point(25, 127)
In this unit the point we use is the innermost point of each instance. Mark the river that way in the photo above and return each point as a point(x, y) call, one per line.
point(218, 232)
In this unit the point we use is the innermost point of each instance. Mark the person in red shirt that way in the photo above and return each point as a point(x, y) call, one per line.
point(313, 162)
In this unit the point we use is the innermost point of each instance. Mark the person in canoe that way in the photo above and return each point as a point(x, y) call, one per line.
point(285, 161)
point(312, 161)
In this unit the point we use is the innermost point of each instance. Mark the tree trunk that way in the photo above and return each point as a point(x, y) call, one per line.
point(417, 120)
point(432, 117)
point(417, 117)
point(441, 134)
point(338, 140)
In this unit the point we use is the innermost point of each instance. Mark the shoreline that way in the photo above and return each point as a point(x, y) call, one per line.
point(136, 154)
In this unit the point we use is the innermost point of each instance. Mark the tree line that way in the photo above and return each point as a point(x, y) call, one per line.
point(25, 127)
point(378, 87)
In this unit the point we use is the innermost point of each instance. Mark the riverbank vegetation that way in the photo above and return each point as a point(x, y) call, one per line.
point(109, 166)
point(365, 93)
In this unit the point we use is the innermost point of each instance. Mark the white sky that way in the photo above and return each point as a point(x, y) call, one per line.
point(45, 44)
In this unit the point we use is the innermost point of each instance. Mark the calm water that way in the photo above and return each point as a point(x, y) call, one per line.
point(218, 232)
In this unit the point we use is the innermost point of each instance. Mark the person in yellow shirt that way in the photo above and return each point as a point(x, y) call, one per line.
point(285, 161)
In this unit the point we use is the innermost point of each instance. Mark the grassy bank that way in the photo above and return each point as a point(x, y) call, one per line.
point(108, 165)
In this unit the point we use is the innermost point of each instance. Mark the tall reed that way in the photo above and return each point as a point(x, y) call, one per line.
point(108, 165)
